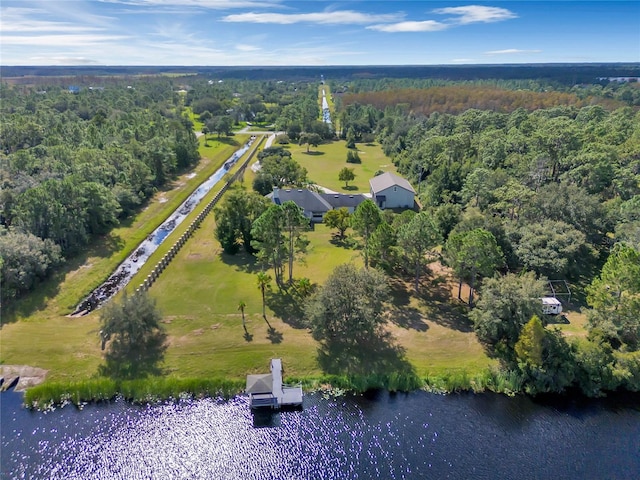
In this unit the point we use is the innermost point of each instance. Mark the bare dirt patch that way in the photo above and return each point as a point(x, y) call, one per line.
point(25, 375)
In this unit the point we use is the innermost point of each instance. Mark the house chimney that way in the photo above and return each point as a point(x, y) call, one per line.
point(276, 194)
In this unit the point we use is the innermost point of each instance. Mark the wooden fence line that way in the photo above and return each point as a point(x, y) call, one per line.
point(195, 224)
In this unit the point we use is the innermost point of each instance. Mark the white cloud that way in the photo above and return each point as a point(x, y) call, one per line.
point(247, 48)
point(40, 26)
point(26, 20)
point(210, 4)
point(477, 14)
point(61, 40)
point(510, 51)
point(336, 17)
point(60, 60)
point(460, 16)
point(425, 26)
point(463, 60)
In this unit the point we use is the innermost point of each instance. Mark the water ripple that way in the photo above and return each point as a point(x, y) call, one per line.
point(415, 436)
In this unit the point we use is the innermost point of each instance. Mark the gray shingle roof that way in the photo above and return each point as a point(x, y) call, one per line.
point(388, 179)
point(305, 199)
point(259, 383)
point(337, 200)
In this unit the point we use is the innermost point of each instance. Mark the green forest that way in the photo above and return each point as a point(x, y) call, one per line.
point(519, 182)
point(552, 181)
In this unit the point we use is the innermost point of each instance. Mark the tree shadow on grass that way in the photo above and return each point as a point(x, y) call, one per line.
point(247, 336)
point(242, 261)
point(377, 355)
point(345, 242)
point(228, 141)
point(287, 306)
point(402, 313)
point(350, 188)
point(444, 310)
point(314, 153)
point(274, 335)
point(561, 319)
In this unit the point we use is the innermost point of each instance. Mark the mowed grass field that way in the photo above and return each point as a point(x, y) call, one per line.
point(200, 291)
point(325, 161)
point(198, 295)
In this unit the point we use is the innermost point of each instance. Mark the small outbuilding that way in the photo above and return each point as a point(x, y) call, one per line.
point(551, 306)
point(391, 191)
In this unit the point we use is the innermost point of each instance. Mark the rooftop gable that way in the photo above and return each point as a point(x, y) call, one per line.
point(259, 383)
point(305, 199)
point(388, 179)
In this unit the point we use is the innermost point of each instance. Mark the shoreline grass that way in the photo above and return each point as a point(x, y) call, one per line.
point(160, 389)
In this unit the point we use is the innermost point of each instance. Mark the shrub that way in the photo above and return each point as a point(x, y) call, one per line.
point(353, 157)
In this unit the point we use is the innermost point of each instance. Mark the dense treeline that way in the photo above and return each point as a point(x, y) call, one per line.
point(456, 99)
point(74, 164)
point(603, 91)
point(561, 74)
point(77, 159)
point(550, 193)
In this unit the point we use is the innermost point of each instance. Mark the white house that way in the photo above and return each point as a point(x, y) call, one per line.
point(391, 191)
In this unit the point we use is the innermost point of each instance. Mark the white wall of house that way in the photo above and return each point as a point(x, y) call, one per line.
point(396, 197)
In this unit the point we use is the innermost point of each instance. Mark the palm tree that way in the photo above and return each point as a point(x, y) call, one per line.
point(304, 287)
point(264, 283)
point(241, 306)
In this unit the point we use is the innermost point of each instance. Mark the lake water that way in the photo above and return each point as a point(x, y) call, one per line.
point(417, 435)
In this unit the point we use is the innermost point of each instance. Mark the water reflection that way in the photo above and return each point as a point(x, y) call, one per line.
point(417, 435)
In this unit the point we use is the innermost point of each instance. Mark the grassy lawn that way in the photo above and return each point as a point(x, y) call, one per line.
point(325, 161)
point(199, 293)
point(37, 332)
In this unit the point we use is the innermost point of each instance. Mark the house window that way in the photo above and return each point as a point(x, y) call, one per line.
point(395, 189)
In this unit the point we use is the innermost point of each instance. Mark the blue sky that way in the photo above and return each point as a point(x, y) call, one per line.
point(272, 32)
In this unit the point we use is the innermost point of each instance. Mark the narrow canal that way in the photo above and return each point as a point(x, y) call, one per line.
point(127, 269)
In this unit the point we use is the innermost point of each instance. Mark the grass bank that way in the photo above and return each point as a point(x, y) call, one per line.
point(158, 389)
point(146, 390)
